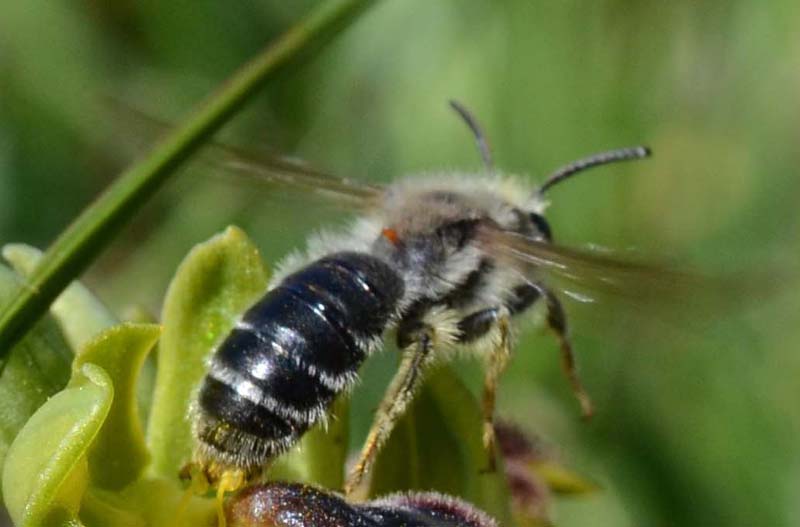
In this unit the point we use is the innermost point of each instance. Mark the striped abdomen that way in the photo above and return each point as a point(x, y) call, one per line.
point(280, 368)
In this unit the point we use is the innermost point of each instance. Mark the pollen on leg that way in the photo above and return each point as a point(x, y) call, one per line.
point(231, 480)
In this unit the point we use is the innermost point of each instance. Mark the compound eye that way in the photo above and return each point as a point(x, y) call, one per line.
point(542, 226)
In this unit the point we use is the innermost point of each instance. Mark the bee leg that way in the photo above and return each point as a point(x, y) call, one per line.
point(230, 481)
point(496, 364)
point(472, 327)
point(557, 323)
point(400, 392)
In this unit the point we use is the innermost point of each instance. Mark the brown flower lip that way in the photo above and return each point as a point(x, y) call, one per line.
point(279, 504)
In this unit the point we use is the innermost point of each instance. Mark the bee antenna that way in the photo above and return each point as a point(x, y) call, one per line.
point(596, 160)
point(480, 138)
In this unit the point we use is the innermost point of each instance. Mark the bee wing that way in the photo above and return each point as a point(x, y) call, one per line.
point(294, 175)
point(270, 170)
point(596, 276)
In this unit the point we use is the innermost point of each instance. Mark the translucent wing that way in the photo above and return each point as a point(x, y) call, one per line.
point(589, 275)
point(274, 171)
point(292, 174)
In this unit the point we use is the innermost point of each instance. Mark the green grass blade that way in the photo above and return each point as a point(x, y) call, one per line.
point(37, 368)
point(84, 239)
point(80, 314)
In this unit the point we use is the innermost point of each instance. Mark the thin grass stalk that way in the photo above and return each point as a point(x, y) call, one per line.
point(81, 243)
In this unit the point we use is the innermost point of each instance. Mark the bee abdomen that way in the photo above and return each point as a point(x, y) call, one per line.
point(280, 368)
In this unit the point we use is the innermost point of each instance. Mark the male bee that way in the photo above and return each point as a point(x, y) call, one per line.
point(444, 261)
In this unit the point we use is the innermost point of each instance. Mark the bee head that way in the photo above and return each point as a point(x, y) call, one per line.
point(535, 224)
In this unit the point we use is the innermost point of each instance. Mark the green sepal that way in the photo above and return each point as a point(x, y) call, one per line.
point(319, 458)
point(216, 282)
point(79, 313)
point(46, 472)
point(437, 445)
point(149, 502)
point(562, 479)
point(36, 368)
point(119, 454)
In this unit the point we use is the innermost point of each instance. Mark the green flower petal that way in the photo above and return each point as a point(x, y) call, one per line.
point(79, 313)
point(36, 368)
point(437, 445)
point(319, 458)
point(216, 282)
point(46, 471)
point(561, 479)
point(118, 455)
point(153, 502)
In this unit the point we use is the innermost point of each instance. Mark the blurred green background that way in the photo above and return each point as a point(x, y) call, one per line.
point(696, 425)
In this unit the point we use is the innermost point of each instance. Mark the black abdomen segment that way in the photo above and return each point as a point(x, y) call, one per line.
point(280, 368)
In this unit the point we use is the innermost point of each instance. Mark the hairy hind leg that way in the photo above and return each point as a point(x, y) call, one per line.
point(400, 392)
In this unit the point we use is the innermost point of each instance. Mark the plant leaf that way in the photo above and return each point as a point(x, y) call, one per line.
point(37, 368)
point(118, 455)
point(437, 445)
point(78, 312)
point(214, 284)
point(46, 472)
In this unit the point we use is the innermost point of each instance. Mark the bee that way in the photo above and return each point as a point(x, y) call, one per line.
point(444, 262)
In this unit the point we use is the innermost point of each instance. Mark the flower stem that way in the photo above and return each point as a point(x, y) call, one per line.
point(77, 247)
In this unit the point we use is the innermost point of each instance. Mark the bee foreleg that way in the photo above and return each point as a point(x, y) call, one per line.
point(557, 323)
point(400, 392)
point(471, 328)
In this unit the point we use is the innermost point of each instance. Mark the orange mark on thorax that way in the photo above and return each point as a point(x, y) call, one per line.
point(391, 235)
